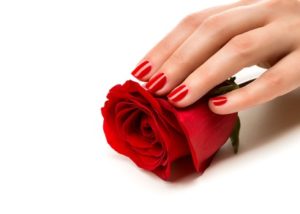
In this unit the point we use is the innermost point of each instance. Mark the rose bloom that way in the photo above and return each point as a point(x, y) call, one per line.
point(154, 134)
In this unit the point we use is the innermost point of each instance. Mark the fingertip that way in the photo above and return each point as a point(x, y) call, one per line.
point(179, 96)
point(216, 110)
point(221, 105)
point(143, 70)
point(178, 104)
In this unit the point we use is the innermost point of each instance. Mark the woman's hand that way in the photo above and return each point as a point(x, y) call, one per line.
point(210, 46)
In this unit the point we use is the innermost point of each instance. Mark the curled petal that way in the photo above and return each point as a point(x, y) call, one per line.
point(206, 131)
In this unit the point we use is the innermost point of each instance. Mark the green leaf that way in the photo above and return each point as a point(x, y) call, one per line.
point(235, 139)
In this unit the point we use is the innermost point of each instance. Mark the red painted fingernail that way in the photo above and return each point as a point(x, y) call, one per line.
point(156, 82)
point(178, 94)
point(218, 101)
point(142, 70)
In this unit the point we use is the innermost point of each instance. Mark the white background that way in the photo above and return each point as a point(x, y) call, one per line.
point(58, 60)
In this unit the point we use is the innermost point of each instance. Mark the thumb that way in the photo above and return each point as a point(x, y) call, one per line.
point(277, 81)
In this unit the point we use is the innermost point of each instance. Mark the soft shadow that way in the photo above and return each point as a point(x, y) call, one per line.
point(262, 124)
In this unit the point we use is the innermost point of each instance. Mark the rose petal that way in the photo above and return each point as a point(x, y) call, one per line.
point(154, 151)
point(146, 162)
point(206, 131)
point(146, 129)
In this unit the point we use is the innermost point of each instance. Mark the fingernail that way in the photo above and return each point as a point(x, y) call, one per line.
point(178, 94)
point(156, 82)
point(218, 101)
point(142, 70)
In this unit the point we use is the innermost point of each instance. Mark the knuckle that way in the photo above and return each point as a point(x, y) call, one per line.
point(214, 23)
point(279, 3)
point(247, 1)
point(163, 48)
point(273, 3)
point(273, 81)
point(192, 20)
point(242, 45)
point(246, 94)
point(177, 60)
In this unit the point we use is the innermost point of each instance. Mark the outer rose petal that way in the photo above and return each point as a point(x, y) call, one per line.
point(206, 131)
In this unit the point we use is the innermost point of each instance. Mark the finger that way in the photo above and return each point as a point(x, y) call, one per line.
point(278, 80)
point(242, 51)
point(160, 53)
point(212, 34)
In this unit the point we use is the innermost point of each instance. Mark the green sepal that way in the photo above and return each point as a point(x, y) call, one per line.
point(227, 86)
point(235, 136)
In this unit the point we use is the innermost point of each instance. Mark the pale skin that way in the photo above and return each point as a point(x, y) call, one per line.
point(209, 46)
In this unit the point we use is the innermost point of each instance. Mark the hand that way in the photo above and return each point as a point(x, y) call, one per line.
point(210, 46)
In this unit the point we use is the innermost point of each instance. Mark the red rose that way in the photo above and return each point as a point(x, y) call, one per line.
point(154, 134)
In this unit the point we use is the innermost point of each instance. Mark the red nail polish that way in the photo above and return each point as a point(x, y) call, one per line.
point(156, 82)
point(178, 94)
point(218, 101)
point(142, 70)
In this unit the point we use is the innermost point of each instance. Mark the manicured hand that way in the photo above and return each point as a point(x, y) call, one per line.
point(210, 46)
